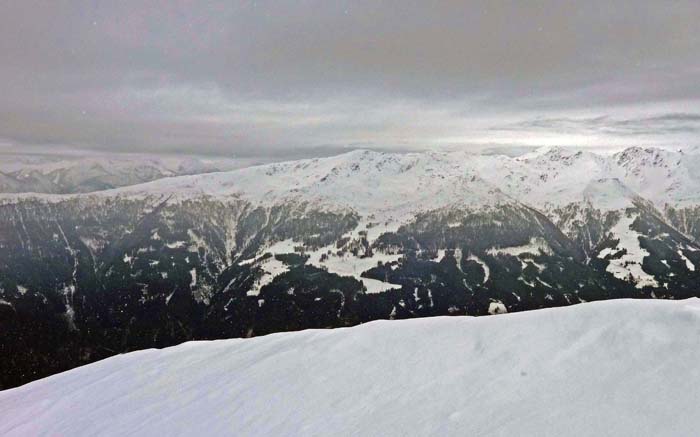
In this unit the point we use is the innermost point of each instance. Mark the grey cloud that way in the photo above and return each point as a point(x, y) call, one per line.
point(274, 77)
point(658, 125)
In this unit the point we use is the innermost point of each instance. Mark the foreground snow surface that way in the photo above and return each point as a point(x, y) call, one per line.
point(622, 368)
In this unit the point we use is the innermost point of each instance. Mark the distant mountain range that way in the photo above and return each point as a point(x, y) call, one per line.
point(338, 241)
point(65, 174)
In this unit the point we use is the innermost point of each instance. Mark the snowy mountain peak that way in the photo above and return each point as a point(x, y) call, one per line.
point(642, 155)
point(370, 181)
point(366, 181)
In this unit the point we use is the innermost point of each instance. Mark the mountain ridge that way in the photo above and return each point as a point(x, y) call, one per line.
point(331, 242)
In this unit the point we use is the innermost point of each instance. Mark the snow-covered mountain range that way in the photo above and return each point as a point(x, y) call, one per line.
point(63, 174)
point(370, 181)
point(621, 368)
point(338, 241)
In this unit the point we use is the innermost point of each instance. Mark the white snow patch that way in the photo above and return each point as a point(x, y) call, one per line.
point(271, 268)
point(536, 246)
point(440, 255)
point(350, 265)
point(689, 264)
point(343, 265)
point(193, 275)
point(198, 242)
point(281, 247)
point(497, 308)
point(631, 262)
point(607, 251)
point(91, 243)
point(376, 286)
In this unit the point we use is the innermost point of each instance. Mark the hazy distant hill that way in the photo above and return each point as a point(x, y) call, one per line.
point(66, 174)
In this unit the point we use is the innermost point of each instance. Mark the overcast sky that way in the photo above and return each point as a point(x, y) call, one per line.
point(287, 78)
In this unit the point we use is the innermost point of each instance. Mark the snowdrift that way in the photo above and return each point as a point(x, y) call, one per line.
point(607, 368)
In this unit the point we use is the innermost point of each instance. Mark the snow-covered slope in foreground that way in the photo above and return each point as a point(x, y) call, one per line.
point(608, 368)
